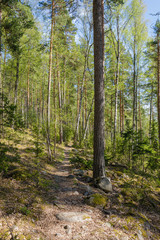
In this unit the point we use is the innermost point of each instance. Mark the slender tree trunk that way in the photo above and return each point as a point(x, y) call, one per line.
point(16, 82)
point(121, 112)
point(80, 100)
point(99, 163)
point(134, 85)
point(60, 102)
point(150, 115)
point(116, 82)
point(49, 86)
point(54, 115)
point(140, 119)
point(111, 118)
point(87, 120)
point(28, 94)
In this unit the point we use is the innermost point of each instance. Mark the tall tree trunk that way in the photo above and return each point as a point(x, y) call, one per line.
point(60, 101)
point(1, 87)
point(28, 94)
point(54, 115)
point(87, 120)
point(111, 118)
point(116, 82)
point(16, 82)
point(80, 100)
point(134, 84)
point(158, 80)
point(150, 116)
point(121, 112)
point(99, 163)
point(139, 106)
point(49, 86)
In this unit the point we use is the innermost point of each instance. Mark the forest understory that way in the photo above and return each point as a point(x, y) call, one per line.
point(34, 190)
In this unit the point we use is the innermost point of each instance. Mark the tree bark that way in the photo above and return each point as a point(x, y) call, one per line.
point(116, 82)
point(1, 90)
point(158, 80)
point(49, 86)
point(28, 94)
point(99, 163)
point(150, 116)
point(16, 82)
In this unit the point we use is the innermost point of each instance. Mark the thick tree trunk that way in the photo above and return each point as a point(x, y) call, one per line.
point(99, 163)
point(1, 87)
point(158, 80)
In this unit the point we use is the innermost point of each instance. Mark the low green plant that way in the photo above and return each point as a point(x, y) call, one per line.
point(82, 163)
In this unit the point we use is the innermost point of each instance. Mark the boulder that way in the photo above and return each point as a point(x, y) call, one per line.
point(97, 200)
point(105, 184)
point(73, 216)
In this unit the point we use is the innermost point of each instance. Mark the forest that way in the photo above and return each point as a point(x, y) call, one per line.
point(79, 120)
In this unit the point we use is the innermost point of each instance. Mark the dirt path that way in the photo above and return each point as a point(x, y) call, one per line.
point(70, 194)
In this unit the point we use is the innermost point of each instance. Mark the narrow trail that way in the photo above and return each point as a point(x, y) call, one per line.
point(69, 198)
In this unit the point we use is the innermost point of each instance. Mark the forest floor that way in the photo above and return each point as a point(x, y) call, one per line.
point(35, 194)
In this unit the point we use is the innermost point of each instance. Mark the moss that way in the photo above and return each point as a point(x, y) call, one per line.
point(125, 227)
point(97, 200)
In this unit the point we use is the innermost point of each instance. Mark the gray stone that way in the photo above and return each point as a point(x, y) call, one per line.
point(68, 229)
point(71, 176)
point(75, 193)
point(58, 235)
point(139, 234)
point(67, 189)
point(108, 225)
point(79, 172)
point(105, 185)
point(73, 216)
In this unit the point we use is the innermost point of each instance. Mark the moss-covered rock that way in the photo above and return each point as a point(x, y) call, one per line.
point(97, 200)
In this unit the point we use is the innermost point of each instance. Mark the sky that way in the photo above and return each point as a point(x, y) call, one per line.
point(152, 7)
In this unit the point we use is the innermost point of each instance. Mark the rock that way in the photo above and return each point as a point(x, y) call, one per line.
point(58, 235)
point(71, 176)
point(68, 229)
point(107, 212)
point(105, 185)
point(97, 200)
point(88, 179)
point(88, 191)
point(108, 225)
point(73, 216)
point(75, 193)
point(15, 228)
point(69, 189)
point(140, 237)
point(78, 172)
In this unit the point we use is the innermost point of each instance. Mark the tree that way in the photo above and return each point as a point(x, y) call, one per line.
point(98, 22)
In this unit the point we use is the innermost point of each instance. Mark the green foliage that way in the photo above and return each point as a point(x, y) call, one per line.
point(8, 155)
point(24, 210)
point(81, 162)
